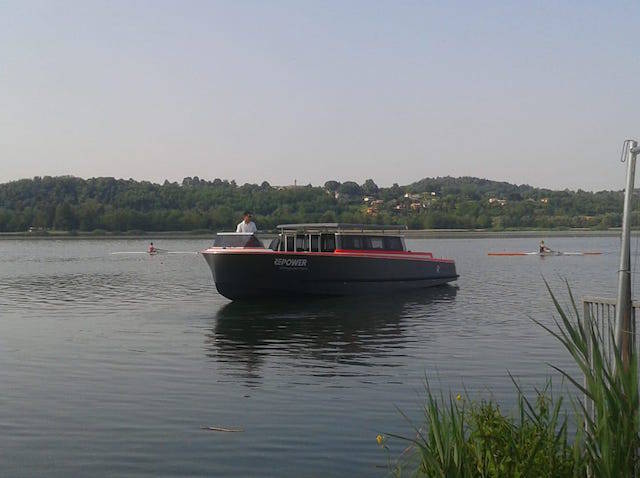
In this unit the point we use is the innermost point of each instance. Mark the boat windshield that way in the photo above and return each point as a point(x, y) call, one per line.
point(237, 240)
point(304, 243)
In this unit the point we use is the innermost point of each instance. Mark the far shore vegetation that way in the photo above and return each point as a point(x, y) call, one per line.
point(108, 205)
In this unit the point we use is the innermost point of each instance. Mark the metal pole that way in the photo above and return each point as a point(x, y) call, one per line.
point(624, 327)
point(588, 322)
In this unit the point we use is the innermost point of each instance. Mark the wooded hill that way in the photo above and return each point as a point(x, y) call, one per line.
point(70, 203)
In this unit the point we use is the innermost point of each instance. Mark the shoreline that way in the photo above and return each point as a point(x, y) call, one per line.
point(410, 234)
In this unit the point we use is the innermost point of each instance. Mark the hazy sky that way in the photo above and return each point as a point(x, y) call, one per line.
point(529, 92)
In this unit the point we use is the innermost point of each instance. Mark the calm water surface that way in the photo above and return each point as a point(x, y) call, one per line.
point(111, 364)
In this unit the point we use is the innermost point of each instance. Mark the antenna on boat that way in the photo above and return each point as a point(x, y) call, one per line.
point(624, 325)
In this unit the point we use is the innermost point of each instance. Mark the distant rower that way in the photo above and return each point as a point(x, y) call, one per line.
point(247, 225)
point(152, 249)
point(543, 247)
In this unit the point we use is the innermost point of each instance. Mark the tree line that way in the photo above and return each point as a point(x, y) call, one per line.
point(69, 203)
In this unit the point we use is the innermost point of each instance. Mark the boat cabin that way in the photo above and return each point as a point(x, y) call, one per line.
point(328, 237)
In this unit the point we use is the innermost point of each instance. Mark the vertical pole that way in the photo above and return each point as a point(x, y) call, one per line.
point(588, 324)
point(624, 327)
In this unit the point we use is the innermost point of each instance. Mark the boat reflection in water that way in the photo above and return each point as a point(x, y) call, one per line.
point(331, 336)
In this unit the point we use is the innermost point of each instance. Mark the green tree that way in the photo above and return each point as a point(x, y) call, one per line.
point(64, 219)
point(332, 186)
point(370, 188)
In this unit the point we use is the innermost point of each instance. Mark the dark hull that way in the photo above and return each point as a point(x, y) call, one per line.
point(255, 275)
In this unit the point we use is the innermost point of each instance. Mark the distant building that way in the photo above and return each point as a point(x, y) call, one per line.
point(412, 196)
point(497, 202)
point(284, 188)
point(544, 200)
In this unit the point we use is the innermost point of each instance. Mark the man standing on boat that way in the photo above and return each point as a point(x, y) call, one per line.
point(247, 225)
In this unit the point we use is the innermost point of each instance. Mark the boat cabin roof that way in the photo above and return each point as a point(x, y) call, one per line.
point(338, 227)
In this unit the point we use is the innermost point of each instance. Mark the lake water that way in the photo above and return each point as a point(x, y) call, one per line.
point(111, 364)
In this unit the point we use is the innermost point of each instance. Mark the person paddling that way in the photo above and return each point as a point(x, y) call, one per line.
point(247, 225)
point(543, 248)
point(152, 248)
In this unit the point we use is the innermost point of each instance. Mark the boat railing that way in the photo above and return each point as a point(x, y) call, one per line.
point(602, 313)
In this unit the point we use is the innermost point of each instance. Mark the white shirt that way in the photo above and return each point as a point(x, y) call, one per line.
point(244, 227)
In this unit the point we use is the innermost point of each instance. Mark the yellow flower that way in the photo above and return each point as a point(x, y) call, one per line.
point(458, 397)
point(380, 439)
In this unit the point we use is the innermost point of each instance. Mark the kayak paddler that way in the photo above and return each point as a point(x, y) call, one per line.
point(543, 248)
point(152, 248)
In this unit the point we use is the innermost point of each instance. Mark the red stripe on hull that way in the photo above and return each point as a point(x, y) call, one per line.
point(416, 256)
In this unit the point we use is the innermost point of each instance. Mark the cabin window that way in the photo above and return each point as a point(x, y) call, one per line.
point(351, 243)
point(302, 243)
point(375, 243)
point(393, 244)
point(315, 243)
point(275, 244)
point(372, 243)
point(328, 243)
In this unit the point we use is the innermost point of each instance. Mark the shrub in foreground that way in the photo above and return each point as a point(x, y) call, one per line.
point(465, 438)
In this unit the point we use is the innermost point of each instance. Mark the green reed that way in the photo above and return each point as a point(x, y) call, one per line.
point(464, 438)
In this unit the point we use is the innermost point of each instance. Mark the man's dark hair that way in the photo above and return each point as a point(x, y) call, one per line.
point(246, 213)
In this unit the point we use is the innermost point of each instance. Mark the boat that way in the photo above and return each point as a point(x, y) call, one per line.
point(546, 253)
point(154, 252)
point(147, 253)
point(329, 259)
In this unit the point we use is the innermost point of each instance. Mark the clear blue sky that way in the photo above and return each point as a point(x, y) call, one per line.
point(530, 92)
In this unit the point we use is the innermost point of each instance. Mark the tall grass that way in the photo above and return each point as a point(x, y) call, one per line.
point(464, 438)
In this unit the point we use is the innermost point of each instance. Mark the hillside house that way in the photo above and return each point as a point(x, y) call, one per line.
point(412, 196)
